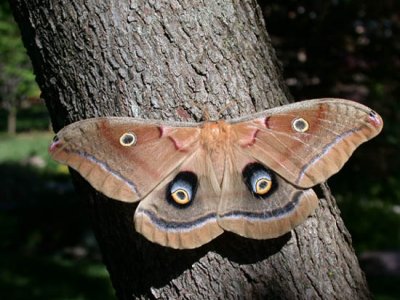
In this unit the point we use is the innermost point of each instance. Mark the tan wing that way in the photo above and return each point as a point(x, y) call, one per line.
point(163, 220)
point(260, 216)
point(130, 160)
point(123, 158)
point(307, 142)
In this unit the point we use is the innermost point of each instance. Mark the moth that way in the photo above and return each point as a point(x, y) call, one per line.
point(252, 176)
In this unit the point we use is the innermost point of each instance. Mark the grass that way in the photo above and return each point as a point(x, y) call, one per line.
point(20, 147)
point(41, 217)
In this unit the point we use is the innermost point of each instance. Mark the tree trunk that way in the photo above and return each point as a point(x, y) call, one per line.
point(154, 59)
point(12, 121)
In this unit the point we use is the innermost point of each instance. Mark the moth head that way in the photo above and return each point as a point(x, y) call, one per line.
point(259, 180)
point(128, 139)
point(182, 189)
point(300, 125)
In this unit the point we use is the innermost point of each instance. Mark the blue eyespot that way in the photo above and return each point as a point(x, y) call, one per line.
point(261, 182)
point(182, 188)
point(181, 192)
point(258, 179)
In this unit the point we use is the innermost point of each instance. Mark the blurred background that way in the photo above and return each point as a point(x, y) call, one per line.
point(335, 48)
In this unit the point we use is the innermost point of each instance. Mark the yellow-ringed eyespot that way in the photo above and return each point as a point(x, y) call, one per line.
point(127, 139)
point(263, 185)
point(300, 125)
point(258, 179)
point(182, 189)
point(180, 196)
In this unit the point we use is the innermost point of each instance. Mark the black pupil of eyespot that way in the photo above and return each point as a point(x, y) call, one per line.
point(181, 195)
point(300, 125)
point(128, 139)
point(263, 184)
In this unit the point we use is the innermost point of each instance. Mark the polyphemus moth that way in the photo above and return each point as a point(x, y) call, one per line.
point(251, 176)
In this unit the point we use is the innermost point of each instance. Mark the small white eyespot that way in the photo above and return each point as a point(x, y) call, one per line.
point(300, 125)
point(127, 139)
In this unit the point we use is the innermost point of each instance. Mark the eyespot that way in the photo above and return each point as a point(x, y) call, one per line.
point(127, 139)
point(180, 196)
point(55, 138)
point(182, 189)
point(263, 185)
point(258, 179)
point(300, 125)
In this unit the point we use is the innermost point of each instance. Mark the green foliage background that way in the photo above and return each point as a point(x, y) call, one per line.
point(16, 78)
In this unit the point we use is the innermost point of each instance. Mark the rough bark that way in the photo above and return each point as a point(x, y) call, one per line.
point(155, 59)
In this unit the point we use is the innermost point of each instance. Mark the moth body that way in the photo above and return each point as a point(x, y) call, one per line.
point(216, 140)
point(251, 176)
